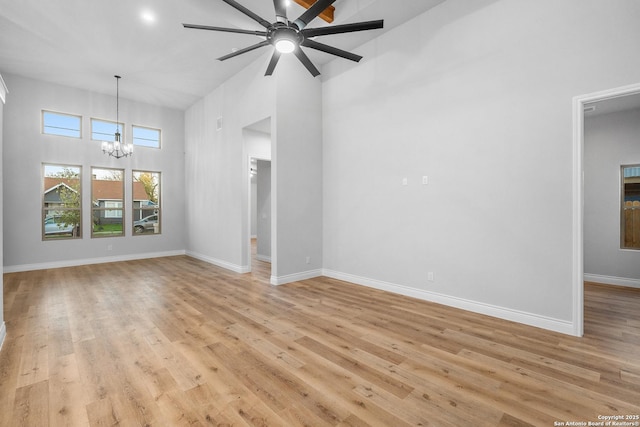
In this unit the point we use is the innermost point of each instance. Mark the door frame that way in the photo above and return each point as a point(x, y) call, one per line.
point(579, 103)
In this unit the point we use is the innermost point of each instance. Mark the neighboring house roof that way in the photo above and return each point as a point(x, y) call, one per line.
point(102, 189)
point(107, 190)
point(138, 191)
point(52, 183)
point(58, 185)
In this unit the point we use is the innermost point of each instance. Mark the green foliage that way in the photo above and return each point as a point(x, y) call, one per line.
point(69, 193)
point(150, 182)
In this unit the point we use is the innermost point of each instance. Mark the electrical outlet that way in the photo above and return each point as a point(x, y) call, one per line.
point(109, 247)
point(430, 276)
point(308, 260)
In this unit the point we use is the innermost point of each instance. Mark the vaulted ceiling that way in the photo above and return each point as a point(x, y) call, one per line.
point(84, 44)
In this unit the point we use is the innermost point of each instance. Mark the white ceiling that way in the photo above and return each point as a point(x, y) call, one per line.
point(83, 44)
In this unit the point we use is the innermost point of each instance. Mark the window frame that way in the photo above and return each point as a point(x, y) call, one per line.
point(133, 136)
point(137, 210)
point(43, 126)
point(46, 209)
point(101, 211)
point(625, 217)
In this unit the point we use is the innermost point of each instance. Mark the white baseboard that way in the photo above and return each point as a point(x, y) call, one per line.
point(3, 333)
point(88, 261)
point(220, 263)
point(612, 280)
point(296, 277)
point(552, 324)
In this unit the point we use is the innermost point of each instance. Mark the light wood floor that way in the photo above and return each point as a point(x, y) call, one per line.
point(178, 342)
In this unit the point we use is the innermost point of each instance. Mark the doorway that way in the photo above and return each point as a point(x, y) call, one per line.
point(582, 104)
point(257, 229)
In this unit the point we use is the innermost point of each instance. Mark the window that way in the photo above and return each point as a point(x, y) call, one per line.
point(113, 213)
point(61, 202)
point(630, 209)
point(146, 202)
point(61, 124)
point(107, 202)
point(146, 137)
point(102, 130)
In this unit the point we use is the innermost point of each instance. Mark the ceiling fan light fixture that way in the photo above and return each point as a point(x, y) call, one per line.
point(285, 45)
point(292, 36)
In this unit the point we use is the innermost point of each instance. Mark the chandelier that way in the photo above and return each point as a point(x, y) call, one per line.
point(117, 148)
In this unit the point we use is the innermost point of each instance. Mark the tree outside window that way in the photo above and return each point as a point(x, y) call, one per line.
point(146, 202)
point(61, 202)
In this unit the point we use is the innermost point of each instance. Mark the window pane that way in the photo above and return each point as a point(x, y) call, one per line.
point(107, 201)
point(61, 124)
point(61, 202)
point(146, 202)
point(113, 213)
point(146, 137)
point(102, 130)
point(630, 221)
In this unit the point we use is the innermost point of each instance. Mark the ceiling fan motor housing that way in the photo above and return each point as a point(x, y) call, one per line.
point(283, 32)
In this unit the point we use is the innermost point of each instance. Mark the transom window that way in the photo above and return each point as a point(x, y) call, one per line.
point(61, 124)
point(104, 130)
point(146, 137)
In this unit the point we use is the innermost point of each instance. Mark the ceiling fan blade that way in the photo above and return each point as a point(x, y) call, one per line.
point(306, 61)
point(228, 30)
point(312, 12)
point(332, 50)
point(274, 61)
point(245, 50)
point(281, 10)
point(345, 28)
point(247, 12)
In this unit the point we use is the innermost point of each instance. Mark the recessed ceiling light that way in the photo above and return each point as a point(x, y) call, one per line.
point(148, 16)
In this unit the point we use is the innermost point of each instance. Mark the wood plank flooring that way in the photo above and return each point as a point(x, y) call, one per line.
point(178, 342)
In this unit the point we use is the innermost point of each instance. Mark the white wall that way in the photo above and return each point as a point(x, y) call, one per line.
point(217, 170)
point(482, 105)
point(610, 140)
point(296, 174)
point(3, 97)
point(263, 210)
point(26, 148)
point(253, 212)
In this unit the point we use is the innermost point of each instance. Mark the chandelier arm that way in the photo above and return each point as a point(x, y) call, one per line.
point(117, 148)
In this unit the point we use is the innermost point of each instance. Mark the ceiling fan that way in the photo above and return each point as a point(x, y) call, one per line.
point(288, 36)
